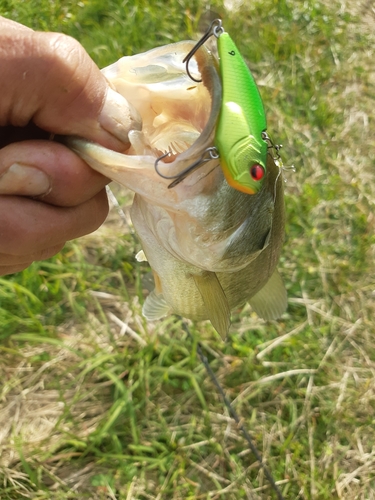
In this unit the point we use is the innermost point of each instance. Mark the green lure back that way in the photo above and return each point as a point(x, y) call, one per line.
point(242, 121)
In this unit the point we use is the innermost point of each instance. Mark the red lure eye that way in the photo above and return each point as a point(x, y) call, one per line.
point(257, 172)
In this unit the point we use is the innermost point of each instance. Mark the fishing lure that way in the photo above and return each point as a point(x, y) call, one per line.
point(241, 138)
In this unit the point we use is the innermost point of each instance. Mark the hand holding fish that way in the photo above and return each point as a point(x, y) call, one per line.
point(48, 195)
point(213, 236)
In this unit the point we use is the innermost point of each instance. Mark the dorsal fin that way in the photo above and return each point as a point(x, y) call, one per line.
point(215, 301)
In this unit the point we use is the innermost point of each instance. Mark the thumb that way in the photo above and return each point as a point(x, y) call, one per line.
point(49, 79)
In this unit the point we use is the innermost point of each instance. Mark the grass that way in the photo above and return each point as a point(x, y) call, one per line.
point(98, 404)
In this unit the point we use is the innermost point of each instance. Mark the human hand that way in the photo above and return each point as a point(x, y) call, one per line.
point(48, 195)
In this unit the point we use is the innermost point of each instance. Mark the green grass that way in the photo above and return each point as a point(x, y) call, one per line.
point(88, 410)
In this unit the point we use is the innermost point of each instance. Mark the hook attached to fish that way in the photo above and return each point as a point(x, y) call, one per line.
point(241, 140)
point(215, 29)
point(208, 154)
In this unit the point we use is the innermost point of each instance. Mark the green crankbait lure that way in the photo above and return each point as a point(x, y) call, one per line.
point(240, 134)
point(241, 137)
point(241, 140)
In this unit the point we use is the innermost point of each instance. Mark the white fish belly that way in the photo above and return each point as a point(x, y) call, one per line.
point(176, 277)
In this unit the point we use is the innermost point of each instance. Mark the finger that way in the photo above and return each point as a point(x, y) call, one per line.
point(4, 270)
point(29, 226)
point(50, 79)
point(9, 25)
point(8, 260)
point(48, 170)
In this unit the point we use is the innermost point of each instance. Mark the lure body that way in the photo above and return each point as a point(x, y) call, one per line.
point(241, 122)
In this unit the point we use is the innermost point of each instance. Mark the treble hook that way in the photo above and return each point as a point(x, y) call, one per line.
point(215, 29)
point(270, 145)
point(213, 154)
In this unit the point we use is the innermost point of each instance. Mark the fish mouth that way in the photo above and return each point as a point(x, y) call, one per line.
point(178, 114)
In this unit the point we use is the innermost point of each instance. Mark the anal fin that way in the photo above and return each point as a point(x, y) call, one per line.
point(215, 301)
point(271, 301)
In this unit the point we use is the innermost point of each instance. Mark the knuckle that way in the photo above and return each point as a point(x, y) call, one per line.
point(64, 55)
point(73, 75)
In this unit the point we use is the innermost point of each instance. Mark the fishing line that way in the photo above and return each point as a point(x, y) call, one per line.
point(233, 412)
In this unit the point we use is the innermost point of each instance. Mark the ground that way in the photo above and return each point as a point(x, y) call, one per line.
point(97, 403)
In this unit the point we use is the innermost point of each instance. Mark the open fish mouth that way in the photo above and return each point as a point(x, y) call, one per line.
point(178, 114)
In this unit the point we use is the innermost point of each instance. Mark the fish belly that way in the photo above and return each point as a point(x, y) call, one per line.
point(175, 278)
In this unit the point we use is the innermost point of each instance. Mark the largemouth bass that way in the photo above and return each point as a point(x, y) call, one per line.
point(211, 247)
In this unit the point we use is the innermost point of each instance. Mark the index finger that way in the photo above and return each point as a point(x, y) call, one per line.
point(50, 79)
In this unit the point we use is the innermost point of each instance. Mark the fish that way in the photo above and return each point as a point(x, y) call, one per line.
point(211, 248)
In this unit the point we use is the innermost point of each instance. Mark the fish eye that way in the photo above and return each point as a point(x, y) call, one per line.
point(257, 172)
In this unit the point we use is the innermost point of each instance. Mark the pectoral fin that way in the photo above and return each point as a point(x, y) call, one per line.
point(215, 301)
point(155, 307)
point(141, 257)
point(271, 301)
